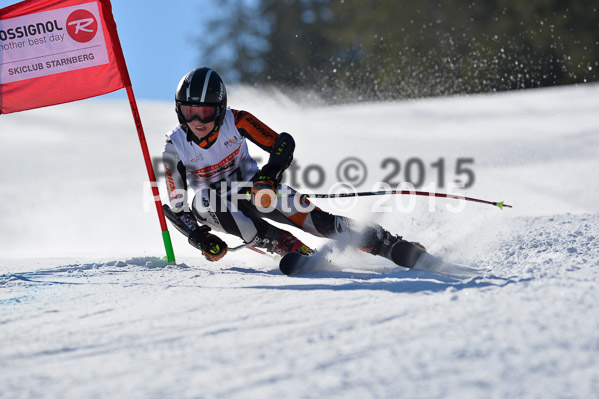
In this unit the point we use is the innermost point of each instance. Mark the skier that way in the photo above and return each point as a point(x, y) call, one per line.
point(208, 151)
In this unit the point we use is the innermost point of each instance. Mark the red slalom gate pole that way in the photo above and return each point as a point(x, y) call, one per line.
point(166, 237)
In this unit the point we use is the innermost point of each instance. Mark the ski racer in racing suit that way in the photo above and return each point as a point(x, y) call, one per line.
point(208, 152)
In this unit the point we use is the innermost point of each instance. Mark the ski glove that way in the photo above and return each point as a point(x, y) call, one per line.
point(281, 155)
point(263, 188)
point(212, 247)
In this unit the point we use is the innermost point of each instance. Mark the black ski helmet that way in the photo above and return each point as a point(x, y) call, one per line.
point(202, 87)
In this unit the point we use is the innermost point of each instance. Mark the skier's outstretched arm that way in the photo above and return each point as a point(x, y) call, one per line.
point(255, 130)
point(279, 146)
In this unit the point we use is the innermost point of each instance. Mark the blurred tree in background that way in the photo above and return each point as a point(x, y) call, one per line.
point(352, 50)
point(234, 41)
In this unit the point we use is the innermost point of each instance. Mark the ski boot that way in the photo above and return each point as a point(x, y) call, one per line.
point(379, 241)
point(280, 242)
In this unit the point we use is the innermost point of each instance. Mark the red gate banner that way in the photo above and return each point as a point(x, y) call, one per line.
point(58, 51)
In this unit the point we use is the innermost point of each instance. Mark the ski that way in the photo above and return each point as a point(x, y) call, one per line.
point(295, 262)
point(407, 254)
point(404, 253)
point(414, 256)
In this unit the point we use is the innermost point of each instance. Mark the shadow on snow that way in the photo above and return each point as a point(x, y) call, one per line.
point(400, 281)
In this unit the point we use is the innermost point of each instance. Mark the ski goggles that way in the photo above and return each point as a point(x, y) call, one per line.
point(203, 113)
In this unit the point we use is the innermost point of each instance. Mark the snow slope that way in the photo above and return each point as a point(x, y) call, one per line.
point(88, 309)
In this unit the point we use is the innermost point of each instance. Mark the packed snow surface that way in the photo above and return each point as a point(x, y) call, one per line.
point(88, 307)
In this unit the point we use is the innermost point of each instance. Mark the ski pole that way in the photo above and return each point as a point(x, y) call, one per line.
point(247, 246)
point(500, 205)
